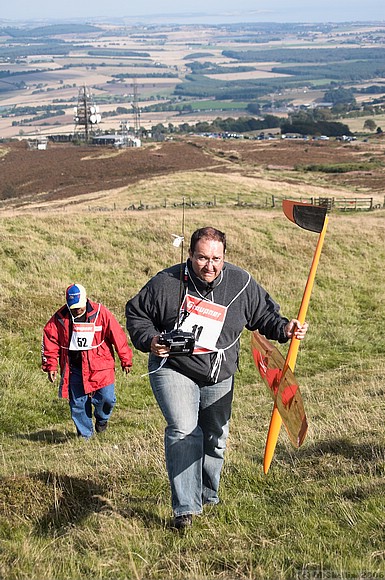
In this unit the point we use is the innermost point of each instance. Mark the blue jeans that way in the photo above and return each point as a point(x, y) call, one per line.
point(198, 417)
point(103, 401)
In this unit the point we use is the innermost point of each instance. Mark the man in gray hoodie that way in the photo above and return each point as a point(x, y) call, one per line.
point(211, 301)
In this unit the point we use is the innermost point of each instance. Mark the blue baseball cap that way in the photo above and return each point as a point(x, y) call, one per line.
point(76, 296)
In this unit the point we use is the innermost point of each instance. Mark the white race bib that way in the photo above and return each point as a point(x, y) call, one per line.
point(82, 336)
point(205, 320)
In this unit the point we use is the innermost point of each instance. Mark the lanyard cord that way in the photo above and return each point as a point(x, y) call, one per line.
point(196, 289)
point(185, 313)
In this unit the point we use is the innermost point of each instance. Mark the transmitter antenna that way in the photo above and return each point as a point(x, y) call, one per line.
point(182, 274)
point(179, 341)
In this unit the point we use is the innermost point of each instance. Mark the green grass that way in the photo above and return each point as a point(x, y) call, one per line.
point(71, 510)
point(217, 104)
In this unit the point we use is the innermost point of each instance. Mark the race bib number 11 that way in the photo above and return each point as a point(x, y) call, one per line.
point(205, 320)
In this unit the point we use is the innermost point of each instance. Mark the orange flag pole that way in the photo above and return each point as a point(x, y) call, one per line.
point(276, 421)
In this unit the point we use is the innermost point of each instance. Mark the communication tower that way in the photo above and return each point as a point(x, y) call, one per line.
point(86, 113)
point(124, 131)
point(136, 109)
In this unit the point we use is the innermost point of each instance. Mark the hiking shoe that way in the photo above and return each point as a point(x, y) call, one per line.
point(100, 427)
point(182, 522)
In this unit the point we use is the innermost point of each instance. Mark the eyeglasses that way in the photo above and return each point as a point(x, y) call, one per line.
point(202, 260)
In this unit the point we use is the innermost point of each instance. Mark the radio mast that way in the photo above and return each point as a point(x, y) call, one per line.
point(86, 113)
point(136, 109)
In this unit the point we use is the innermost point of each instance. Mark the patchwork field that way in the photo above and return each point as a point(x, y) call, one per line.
point(180, 64)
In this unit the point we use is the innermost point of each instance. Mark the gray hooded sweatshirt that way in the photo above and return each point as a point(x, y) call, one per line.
point(156, 309)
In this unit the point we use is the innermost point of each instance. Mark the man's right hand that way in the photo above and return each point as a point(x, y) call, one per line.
point(159, 349)
point(52, 375)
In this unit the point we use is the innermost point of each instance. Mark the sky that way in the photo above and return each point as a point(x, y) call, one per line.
point(200, 11)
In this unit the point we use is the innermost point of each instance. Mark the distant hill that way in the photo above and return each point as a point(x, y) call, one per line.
point(50, 30)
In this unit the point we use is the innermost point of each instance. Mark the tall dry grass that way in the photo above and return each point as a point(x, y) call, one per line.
point(70, 510)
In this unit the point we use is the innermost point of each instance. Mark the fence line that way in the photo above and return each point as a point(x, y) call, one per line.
point(270, 201)
point(348, 204)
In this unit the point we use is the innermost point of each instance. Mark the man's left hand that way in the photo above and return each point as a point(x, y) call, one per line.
point(295, 329)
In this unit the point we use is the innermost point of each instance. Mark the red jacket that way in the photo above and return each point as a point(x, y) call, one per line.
point(98, 364)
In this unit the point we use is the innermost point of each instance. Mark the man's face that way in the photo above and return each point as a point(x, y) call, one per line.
point(207, 259)
point(76, 312)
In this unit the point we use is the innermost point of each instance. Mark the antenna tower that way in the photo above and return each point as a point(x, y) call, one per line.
point(124, 130)
point(86, 113)
point(136, 109)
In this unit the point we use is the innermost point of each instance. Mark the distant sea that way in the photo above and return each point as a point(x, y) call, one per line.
point(236, 17)
point(278, 17)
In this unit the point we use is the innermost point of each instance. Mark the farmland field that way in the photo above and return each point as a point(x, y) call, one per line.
point(175, 65)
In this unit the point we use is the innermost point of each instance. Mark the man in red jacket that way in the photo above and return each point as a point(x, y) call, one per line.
point(80, 337)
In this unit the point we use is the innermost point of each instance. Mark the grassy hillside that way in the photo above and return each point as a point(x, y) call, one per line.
point(71, 510)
